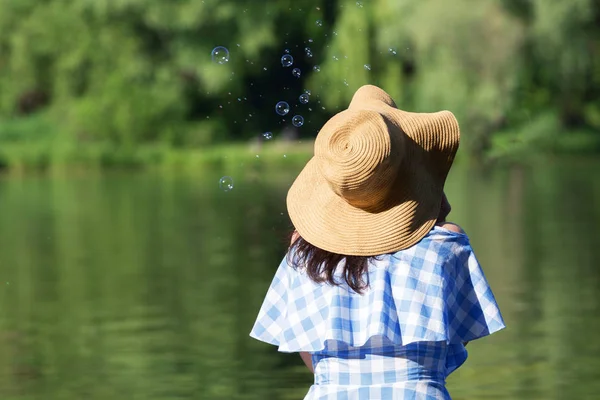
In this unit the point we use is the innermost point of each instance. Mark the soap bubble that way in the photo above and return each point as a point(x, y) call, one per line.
point(316, 68)
point(226, 183)
point(359, 4)
point(220, 55)
point(303, 98)
point(367, 67)
point(287, 60)
point(296, 72)
point(392, 51)
point(282, 108)
point(307, 92)
point(297, 121)
point(308, 52)
point(319, 22)
point(267, 135)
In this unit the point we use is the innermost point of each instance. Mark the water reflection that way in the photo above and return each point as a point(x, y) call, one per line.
point(145, 286)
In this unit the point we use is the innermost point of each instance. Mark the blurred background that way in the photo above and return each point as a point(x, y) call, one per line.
point(144, 167)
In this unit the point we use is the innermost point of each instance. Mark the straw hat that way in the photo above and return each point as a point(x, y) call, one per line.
point(375, 183)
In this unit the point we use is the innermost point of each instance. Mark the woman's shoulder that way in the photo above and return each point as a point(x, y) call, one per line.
point(452, 227)
point(445, 239)
point(443, 243)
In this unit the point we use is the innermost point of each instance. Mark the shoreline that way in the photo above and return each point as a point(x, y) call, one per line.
point(48, 157)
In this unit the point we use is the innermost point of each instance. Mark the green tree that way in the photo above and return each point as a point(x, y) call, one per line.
point(134, 72)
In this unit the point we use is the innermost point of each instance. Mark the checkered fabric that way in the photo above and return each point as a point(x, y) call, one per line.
point(422, 303)
point(381, 370)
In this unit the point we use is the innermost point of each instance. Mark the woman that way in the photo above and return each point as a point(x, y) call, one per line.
point(377, 293)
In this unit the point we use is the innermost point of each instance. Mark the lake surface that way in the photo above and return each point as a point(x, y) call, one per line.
point(145, 286)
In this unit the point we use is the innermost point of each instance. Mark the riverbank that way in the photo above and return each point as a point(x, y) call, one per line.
point(32, 145)
point(542, 135)
point(37, 157)
point(35, 144)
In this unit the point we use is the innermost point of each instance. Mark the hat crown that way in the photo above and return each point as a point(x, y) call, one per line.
point(359, 155)
point(375, 183)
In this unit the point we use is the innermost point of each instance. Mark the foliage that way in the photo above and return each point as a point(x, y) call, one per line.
point(127, 73)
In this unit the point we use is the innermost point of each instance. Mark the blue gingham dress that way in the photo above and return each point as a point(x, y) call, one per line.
point(401, 338)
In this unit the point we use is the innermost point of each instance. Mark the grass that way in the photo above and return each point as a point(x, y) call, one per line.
point(33, 144)
point(38, 157)
point(541, 136)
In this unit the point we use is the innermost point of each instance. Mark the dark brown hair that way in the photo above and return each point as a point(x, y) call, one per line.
point(320, 265)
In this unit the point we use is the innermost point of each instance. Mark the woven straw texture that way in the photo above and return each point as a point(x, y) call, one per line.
point(375, 183)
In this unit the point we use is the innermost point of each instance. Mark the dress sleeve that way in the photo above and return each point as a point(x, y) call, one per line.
point(471, 308)
point(435, 291)
point(271, 317)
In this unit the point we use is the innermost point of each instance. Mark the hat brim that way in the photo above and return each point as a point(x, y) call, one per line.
point(326, 220)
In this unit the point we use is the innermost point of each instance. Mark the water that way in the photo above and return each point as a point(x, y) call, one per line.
point(140, 286)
